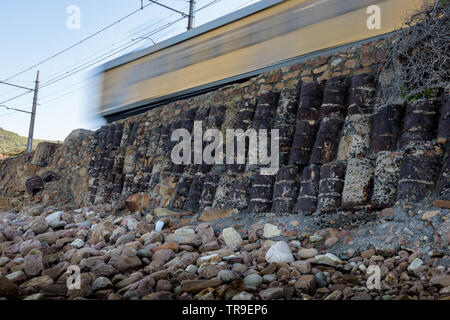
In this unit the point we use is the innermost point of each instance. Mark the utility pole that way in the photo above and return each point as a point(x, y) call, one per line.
point(33, 114)
point(191, 14)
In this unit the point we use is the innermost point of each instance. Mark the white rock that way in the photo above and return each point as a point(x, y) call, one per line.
point(315, 238)
point(3, 261)
point(296, 243)
point(231, 237)
point(328, 259)
point(227, 275)
point(280, 252)
point(445, 290)
point(77, 243)
point(271, 230)
point(55, 216)
point(191, 268)
point(184, 231)
point(132, 224)
point(90, 214)
point(208, 258)
point(415, 265)
point(16, 276)
point(159, 226)
point(243, 296)
point(335, 62)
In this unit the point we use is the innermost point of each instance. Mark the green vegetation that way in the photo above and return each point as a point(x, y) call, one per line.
point(425, 94)
point(11, 144)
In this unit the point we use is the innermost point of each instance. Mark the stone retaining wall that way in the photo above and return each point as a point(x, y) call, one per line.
point(339, 150)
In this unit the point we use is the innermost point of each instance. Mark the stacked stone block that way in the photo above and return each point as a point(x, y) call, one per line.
point(307, 122)
point(261, 194)
point(309, 190)
point(358, 183)
point(332, 118)
point(331, 185)
point(419, 122)
point(356, 137)
point(285, 121)
point(286, 189)
point(444, 183)
point(418, 174)
point(444, 121)
point(387, 173)
point(239, 196)
point(386, 128)
point(361, 94)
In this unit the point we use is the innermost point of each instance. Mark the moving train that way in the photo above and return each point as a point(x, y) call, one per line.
point(264, 36)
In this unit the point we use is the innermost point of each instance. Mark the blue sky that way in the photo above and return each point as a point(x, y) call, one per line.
point(33, 30)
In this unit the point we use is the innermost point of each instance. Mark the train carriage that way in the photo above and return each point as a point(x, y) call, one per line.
point(255, 39)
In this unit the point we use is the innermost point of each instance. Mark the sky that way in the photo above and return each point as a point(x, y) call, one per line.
point(34, 30)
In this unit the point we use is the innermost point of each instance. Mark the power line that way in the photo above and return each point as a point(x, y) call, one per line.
point(15, 109)
point(15, 85)
point(108, 54)
point(170, 8)
point(13, 98)
point(76, 44)
point(63, 73)
point(49, 82)
point(59, 77)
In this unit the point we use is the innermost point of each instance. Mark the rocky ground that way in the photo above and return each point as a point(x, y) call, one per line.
point(218, 255)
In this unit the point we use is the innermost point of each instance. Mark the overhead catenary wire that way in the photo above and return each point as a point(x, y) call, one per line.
point(124, 47)
point(95, 62)
point(78, 43)
point(112, 53)
point(15, 109)
point(88, 60)
point(108, 54)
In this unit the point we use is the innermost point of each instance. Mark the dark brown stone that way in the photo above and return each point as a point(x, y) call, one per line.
point(444, 121)
point(418, 175)
point(261, 194)
point(419, 123)
point(361, 93)
point(386, 128)
point(307, 122)
point(331, 186)
point(309, 187)
point(34, 184)
point(326, 145)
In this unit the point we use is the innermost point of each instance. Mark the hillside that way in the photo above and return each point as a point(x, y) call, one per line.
point(12, 144)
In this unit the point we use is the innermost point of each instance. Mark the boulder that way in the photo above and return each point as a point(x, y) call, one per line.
point(34, 185)
point(124, 259)
point(231, 237)
point(279, 252)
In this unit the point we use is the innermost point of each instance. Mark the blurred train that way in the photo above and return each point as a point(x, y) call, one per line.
point(266, 35)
